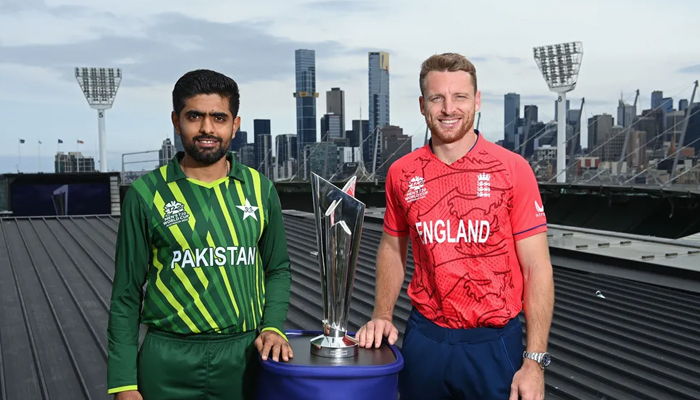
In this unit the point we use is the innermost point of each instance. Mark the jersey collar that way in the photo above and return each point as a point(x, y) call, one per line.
point(478, 135)
point(175, 172)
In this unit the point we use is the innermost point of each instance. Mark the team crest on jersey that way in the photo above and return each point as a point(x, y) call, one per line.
point(483, 185)
point(416, 189)
point(248, 210)
point(174, 213)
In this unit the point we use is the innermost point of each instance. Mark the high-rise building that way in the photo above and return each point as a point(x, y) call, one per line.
point(305, 94)
point(379, 114)
point(73, 162)
point(360, 132)
point(394, 146)
point(692, 134)
point(511, 115)
point(166, 152)
point(530, 114)
point(240, 140)
point(379, 103)
point(573, 119)
point(656, 97)
point(599, 127)
point(331, 128)
point(612, 146)
point(261, 127)
point(682, 104)
point(652, 122)
point(322, 159)
point(625, 113)
point(263, 152)
point(286, 150)
point(335, 104)
point(247, 155)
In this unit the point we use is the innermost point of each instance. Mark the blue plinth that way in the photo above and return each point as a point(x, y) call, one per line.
point(372, 374)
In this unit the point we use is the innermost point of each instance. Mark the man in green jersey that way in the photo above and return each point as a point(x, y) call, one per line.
point(206, 235)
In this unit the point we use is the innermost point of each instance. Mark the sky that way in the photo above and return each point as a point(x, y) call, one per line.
point(628, 45)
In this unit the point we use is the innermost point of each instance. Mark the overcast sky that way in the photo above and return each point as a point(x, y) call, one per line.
point(628, 45)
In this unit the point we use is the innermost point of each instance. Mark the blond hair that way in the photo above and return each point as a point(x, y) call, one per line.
point(451, 62)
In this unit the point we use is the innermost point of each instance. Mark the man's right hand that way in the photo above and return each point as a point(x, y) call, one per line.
point(128, 395)
point(373, 332)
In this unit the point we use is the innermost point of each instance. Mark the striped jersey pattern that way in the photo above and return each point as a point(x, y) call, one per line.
point(206, 273)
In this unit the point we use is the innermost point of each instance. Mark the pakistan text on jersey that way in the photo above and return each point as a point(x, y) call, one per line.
point(440, 231)
point(214, 256)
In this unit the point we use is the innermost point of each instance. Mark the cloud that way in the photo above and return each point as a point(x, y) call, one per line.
point(13, 6)
point(511, 60)
point(243, 50)
point(344, 6)
point(691, 69)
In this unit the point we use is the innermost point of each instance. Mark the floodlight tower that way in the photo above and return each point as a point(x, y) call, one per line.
point(559, 65)
point(100, 87)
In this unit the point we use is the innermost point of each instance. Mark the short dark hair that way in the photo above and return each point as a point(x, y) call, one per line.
point(204, 81)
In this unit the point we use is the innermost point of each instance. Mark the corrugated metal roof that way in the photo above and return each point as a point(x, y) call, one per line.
point(639, 342)
point(55, 284)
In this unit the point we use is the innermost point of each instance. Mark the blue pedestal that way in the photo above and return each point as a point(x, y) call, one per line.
point(372, 374)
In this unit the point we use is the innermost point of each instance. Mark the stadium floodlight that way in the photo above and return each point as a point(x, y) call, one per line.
point(559, 65)
point(100, 87)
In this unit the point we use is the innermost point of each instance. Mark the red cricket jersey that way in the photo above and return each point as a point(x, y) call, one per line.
point(464, 219)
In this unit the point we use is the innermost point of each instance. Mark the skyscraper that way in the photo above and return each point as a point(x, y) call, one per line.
point(511, 106)
point(599, 127)
point(261, 127)
point(305, 94)
point(166, 152)
point(240, 140)
point(335, 104)
point(378, 89)
point(625, 113)
point(378, 105)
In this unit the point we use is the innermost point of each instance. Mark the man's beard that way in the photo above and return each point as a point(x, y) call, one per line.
point(208, 156)
point(467, 122)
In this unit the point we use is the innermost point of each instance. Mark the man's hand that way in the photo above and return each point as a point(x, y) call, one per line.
point(270, 340)
point(528, 382)
point(128, 395)
point(373, 331)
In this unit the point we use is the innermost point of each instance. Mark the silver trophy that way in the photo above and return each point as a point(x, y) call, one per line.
point(339, 217)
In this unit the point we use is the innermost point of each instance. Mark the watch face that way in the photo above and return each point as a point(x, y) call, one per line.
point(546, 360)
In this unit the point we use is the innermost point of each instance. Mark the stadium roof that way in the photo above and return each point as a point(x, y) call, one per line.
point(614, 335)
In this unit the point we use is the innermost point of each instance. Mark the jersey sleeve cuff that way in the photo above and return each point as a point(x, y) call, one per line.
point(530, 232)
point(122, 389)
point(394, 232)
point(277, 331)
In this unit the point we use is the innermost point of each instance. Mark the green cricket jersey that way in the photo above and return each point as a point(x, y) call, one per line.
point(214, 256)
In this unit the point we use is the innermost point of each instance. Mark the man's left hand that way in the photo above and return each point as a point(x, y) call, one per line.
point(528, 382)
point(270, 340)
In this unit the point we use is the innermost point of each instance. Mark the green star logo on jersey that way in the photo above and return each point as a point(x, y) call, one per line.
point(248, 210)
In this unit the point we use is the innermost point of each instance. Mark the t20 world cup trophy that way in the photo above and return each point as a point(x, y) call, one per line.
point(339, 217)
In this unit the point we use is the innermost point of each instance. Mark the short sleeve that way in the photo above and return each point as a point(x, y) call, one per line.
point(527, 215)
point(394, 218)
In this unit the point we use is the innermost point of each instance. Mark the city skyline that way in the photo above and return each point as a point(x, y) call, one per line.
point(36, 67)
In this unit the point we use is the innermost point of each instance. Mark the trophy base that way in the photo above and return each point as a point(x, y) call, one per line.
point(334, 347)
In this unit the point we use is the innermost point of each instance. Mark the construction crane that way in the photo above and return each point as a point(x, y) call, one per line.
point(628, 129)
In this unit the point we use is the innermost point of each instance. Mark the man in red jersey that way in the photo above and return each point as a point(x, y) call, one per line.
point(477, 226)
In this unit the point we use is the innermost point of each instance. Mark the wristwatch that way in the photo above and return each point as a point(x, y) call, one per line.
point(543, 359)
